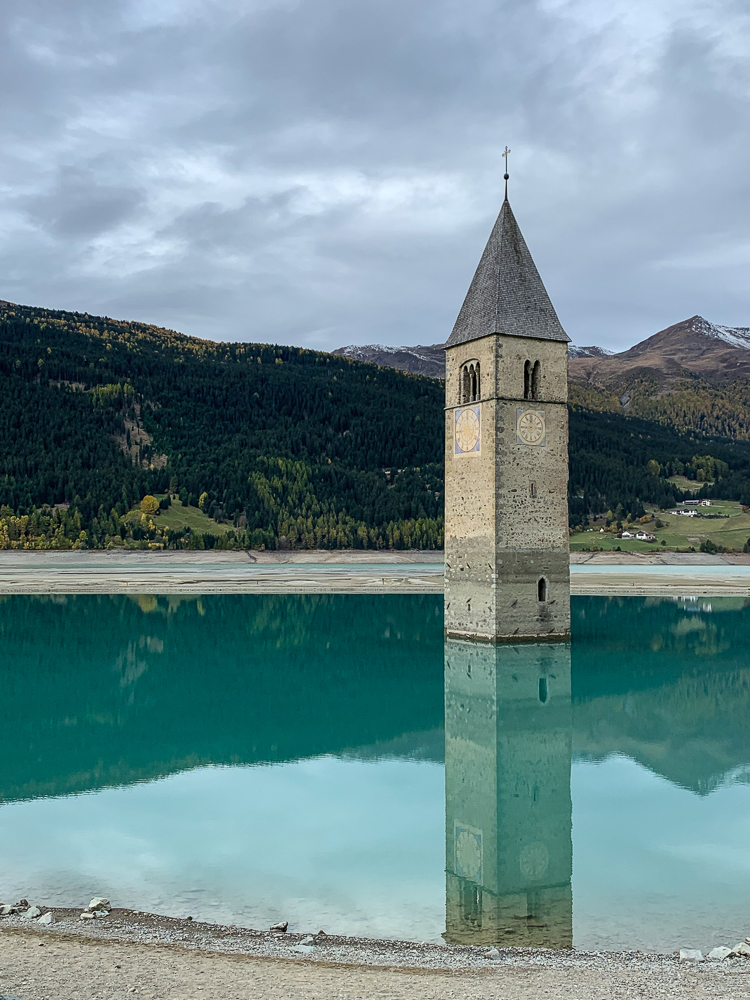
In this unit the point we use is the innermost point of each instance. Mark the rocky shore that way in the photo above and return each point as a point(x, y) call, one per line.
point(121, 952)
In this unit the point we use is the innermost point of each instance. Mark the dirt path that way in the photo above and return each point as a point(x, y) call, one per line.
point(54, 966)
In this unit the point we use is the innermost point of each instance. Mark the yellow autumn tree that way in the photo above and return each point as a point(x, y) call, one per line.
point(149, 505)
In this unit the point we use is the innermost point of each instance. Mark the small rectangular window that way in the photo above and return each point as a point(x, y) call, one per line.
point(532, 489)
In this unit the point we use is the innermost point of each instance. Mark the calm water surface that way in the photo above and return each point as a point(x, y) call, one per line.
point(331, 761)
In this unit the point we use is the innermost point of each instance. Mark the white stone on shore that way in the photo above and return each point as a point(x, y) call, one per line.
point(719, 953)
point(308, 940)
point(99, 903)
point(32, 913)
point(46, 919)
point(493, 953)
point(281, 926)
point(742, 949)
point(86, 915)
point(5, 909)
point(691, 955)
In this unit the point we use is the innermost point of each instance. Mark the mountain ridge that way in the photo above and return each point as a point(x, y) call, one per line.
point(692, 348)
point(420, 360)
point(429, 360)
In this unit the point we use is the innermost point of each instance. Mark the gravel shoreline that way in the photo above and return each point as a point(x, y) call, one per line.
point(136, 927)
point(165, 957)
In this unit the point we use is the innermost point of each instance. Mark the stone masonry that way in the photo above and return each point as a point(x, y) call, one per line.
point(506, 523)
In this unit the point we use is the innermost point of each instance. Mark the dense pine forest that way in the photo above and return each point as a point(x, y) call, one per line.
point(691, 406)
point(277, 446)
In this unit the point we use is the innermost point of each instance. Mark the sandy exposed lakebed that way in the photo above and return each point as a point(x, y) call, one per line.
point(31, 572)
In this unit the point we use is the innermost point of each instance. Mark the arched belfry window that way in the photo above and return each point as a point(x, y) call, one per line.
point(532, 374)
point(541, 590)
point(469, 384)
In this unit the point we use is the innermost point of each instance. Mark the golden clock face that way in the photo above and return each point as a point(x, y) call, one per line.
point(530, 427)
point(467, 430)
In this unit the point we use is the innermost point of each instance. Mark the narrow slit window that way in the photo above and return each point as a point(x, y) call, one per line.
point(532, 489)
point(527, 380)
point(541, 590)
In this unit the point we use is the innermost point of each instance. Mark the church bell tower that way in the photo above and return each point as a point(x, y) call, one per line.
point(507, 574)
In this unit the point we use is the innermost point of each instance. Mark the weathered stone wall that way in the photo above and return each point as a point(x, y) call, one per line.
point(470, 483)
point(506, 519)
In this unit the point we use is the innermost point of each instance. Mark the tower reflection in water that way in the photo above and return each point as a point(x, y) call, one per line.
point(509, 852)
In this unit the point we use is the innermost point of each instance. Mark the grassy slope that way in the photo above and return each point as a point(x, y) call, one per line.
point(732, 531)
point(687, 485)
point(181, 516)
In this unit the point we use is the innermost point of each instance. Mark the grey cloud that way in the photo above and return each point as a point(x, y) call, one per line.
point(79, 207)
point(326, 171)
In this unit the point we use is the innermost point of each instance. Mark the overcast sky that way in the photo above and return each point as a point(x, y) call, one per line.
point(326, 172)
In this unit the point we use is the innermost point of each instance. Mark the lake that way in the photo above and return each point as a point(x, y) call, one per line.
point(331, 761)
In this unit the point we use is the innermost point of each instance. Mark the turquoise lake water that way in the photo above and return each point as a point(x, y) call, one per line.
point(331, 761)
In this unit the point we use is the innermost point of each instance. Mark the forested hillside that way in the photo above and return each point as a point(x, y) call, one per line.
point(690, 406)
point(616, 459)
point(293, 447)
point(286, 446)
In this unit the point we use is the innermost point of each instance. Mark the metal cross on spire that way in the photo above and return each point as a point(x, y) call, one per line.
point(506, 175)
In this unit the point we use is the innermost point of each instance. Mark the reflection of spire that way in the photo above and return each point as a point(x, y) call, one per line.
point(508, 807)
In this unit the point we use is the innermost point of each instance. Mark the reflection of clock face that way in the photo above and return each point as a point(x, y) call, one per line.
point(468, 853)
point(467, 430)
point(534, 860)
point(531, 427)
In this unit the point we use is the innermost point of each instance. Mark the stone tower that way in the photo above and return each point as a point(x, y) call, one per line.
point(509, 855)
point(506, 457)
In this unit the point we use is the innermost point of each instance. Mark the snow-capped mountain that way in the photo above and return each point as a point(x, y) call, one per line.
point(736, 336)
point(693, 347)
point(588, 352)
point(419, 360)
point(431, 360)
point(686, 349)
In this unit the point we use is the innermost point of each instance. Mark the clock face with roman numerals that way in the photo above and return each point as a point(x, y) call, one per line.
point(468, 430)
point(530, 427)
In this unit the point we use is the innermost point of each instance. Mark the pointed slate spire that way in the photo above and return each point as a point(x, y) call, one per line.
point(506, 295)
